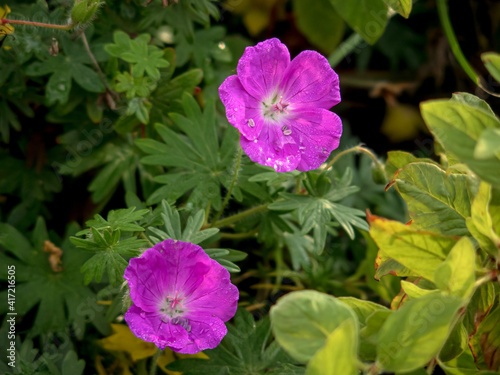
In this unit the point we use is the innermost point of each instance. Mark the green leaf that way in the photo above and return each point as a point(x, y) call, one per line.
point(488, 144)
point(413, 335)
point(457, 274)
point(403, 7)
point(39, 284)
point(247, 349)
point(302, 321)
point(320, 23)
point(456, 344)
point(367, 17)
point(480, 224)
point(491, 62)
point(418, 250)
point(458, 127)
point(436, 200)
point(339, 355)
point(399, 159)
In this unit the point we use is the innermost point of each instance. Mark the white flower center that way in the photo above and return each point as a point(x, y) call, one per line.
point(172, 311)
point(275, 107)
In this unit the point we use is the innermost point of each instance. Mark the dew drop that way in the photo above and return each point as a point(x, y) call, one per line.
point(286, 130)
point(251, 123)
point(61, 87)
point(236, 109)
point(323, 150)
point(143, 314)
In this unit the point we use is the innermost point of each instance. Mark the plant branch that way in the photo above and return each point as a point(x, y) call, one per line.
point(239, 216)
point(357, 149)
point(4, 21)
point(236, 172)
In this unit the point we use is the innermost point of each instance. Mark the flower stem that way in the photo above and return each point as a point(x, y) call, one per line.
point(236, 172)
point(4, 21)
point(154, 361)
point(344, 49)
point(235, 218)
point(452, 40)
point(357, 149)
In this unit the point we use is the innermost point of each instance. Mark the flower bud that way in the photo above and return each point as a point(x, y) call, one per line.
point(84, 10)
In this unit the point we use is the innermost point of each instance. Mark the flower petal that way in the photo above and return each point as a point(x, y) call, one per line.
point(272, 148)
point(149, 327)
point(188, 263)
point(261, 68)
point(148, 279)
point(206, 332)
point(318, 132)
point(242, 110)
point(215, 295)
point(309, 81)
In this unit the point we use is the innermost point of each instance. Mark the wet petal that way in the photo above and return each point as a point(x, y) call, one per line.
point(206, 332)
point(273, 148)
point(309, 82)
point(242, 110)
point(261, 68)
point(215, 296)
point(317, 131)
point(149, 327)
point(147, 279)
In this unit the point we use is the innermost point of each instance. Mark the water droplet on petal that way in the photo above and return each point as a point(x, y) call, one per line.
point(323, 150)
point(235, 109)
point(286, 130)
point(143, 314)
point(251, 123)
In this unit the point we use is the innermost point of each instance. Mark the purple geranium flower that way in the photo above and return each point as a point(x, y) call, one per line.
point(181, 298)
point(281, 107)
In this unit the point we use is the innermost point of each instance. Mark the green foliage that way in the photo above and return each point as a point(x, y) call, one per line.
point(113, 242)
point(57, 292)
point(247, 349)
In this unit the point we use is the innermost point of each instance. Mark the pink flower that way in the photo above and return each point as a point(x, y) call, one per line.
point(181, 298)
point(281, 107)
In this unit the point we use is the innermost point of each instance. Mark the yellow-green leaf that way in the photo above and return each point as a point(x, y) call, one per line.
point(339, 355)
point(457, 274)
point(418, 250)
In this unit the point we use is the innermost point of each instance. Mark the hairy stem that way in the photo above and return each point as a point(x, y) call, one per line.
point(236, 172)
point(154, 366)
point(357, 149)
point(4, 21)
point(239, 216)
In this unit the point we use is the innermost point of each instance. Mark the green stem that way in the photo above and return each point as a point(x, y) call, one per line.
point(344, 49)
point(141, 234)
point(452, 40)
point(154, 366)
point(4, 21)
point(235, 218)
point(357, 149)
point(238, 236)
point(236, 172)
